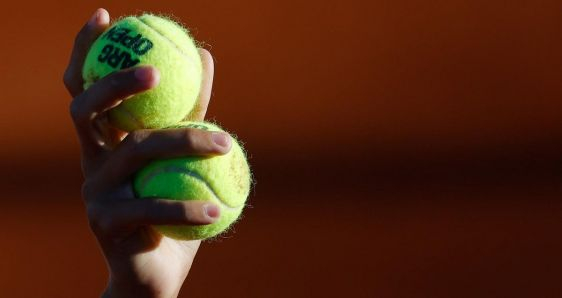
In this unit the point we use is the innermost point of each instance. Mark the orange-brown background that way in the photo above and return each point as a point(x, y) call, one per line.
point(401, 148)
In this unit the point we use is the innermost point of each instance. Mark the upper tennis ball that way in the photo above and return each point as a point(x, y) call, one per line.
point(148, 40)
point(224, 180)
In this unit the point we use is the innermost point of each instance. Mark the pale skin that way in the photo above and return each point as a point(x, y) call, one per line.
point(141, 262)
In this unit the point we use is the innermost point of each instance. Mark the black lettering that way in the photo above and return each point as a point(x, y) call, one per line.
point(137, 43)
point(119, 34)
point(115, 58)
point(142, 46)
point(128, 62)
point(109, 33)
point(129, 41)
point(105, 52)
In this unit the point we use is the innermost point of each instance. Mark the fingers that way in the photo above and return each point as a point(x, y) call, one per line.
point(198, 113)
point(98, 22)
point(142, 146)
point(111, 135)
point(105, 94)
point(111, 90)
point(110, 217)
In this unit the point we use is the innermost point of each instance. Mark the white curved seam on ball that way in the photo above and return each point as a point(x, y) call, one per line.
point(178, 170)
point(188, 58)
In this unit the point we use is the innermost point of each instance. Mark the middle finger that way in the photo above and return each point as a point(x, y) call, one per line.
point(142, 146)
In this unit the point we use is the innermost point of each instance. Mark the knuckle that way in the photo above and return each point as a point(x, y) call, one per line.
point(189, 138)
point(137, 138)
point(110, 86)
point(117, 82)
point(136, 142)
point(67, 79)
point(76, 110)
point(114, 82)
point(189, 213)
point(100, 219)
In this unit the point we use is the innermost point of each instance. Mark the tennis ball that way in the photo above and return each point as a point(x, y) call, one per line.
point(224, 180)
point(148, 40)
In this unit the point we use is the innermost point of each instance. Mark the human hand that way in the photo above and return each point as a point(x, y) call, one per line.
point(141, 262)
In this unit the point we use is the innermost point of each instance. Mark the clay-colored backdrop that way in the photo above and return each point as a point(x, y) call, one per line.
point(401, 148)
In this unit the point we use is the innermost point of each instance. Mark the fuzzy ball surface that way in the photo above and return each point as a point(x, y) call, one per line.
point(224, 180)
point(148, 40)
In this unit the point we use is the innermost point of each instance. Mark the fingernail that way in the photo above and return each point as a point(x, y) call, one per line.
point(143, 74)
point(221, 139)
point(98, 17)
point(212, 211)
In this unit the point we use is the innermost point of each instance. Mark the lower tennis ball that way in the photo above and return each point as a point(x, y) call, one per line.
point(148, 40)
point(224, 180)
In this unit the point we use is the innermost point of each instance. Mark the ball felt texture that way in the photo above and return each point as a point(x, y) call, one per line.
point(148, 40)
point(224, 180)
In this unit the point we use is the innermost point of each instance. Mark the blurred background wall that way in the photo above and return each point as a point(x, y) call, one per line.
point(401, 148)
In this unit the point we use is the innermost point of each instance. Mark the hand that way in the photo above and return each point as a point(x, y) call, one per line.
point(141, 262)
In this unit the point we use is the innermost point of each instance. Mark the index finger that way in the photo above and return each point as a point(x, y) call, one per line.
point(98, 22)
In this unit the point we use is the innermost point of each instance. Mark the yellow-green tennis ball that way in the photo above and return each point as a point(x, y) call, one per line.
point(148, 40)
point(224, 180)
